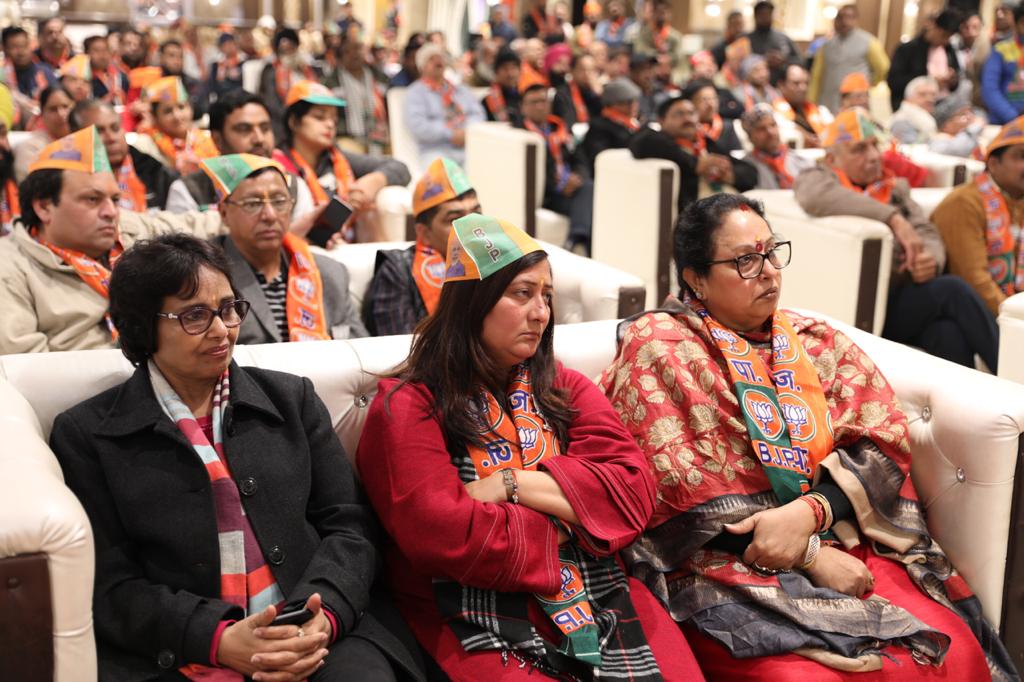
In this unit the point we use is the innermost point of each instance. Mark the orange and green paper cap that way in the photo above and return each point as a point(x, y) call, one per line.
point(444, 180)
point(80, 151)
point(1010, 134)
point(169, 89)
point(228, 171)
point(77, 67)
point(312, 92)
point(479, 246)
point(852, 125)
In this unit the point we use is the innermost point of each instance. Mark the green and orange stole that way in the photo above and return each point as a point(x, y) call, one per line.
point(783, 405)
point(304, 302)
point(428, 273)
point(487, 620)
point(1005, 255)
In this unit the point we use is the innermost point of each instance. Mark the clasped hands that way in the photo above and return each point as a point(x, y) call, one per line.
point(780, 543)
point(276, 653)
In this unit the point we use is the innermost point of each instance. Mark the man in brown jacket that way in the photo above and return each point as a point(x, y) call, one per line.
point(978, 219)
point(938, 313)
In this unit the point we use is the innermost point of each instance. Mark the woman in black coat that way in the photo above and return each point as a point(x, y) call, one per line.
point(206, 522)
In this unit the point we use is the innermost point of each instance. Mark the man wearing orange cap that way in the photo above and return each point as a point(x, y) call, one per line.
point(850, 50)
point(938, 313)
point(295, 294)
point(55, 266)
point(173, 139)
point(406, 285)
point(854, 92)
point(980, 221)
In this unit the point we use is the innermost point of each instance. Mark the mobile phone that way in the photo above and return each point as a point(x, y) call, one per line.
point(330, 222)
point(293, 613)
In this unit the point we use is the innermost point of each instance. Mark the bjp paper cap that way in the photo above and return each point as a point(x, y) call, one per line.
point(169, 89)
point(227, 172)
point(80, 151)
point(852, 125)
point(144, 76)
point(77, 67)
point(443, 181)
point(312, 92)
point(479, 246)
point(854, 82)
point(738, 49)
point(1010, 134)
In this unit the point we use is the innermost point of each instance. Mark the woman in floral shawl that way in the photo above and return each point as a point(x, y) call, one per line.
point(787, 539)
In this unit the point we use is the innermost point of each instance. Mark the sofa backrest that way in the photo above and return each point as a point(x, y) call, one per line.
point(403, 145)
point(506, 165)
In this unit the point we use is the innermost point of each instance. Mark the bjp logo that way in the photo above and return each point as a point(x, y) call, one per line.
point(534, 448)
point(305, 287)
point(798, 416)
point(763, 410)
point(735, 344)
point(782, 350)
point(998, 268)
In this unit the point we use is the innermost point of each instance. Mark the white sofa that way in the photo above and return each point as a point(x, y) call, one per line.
point(403, 146)
point(943, 170)
point(585, 290)
point(507, 168)
point(634, 216)
point(1011, 338)
point(966, 444)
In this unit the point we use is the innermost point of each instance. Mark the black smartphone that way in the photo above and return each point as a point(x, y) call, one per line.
point(330, 222)
point(293, 613)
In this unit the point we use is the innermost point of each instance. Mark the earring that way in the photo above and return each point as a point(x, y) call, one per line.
point(699, 295)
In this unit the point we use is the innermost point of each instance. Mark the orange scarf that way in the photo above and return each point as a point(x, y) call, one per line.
point(343, 175)
point(93, 273)
point(555, 134)
point(582, 115)
point(11, 78)
point(111, 80)
point(10, 208)
point(304, 305)
point(228, 68)
point(778, 165)
point(283, 77)
point(660, 38)
point(1005, 255)
point(496, 103)
point(880, 190)
point(133, 192)
point(185, 154)
point(750, 96)
point(811, 113)
point(622, 119)
point(428, 272)
point(695, 148)
point(714, 129)
point(454, 116)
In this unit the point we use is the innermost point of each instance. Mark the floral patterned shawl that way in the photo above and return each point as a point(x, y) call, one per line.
point(671, 388)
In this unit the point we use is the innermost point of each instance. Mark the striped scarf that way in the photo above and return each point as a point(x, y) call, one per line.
point(245, 578)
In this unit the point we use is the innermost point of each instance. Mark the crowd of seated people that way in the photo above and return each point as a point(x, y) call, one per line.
point(512, 518)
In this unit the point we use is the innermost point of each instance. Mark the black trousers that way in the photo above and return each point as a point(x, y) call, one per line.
point(579, 208)
point(354, 658)
point(945, 317)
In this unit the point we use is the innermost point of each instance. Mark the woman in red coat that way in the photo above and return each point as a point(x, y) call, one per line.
point(508, 485)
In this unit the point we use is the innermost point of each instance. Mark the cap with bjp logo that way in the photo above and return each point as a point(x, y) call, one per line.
point(169, 89)
point(312, 92)
point(854, 82)
point(228, 171)
point(443, 181)
point(80, 151)
point(852, 125)
point(1010, 134)
point(77, 67)
point(479, 246)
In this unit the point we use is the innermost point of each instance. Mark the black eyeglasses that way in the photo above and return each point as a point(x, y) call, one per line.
point(197, 319)
point(750, 265)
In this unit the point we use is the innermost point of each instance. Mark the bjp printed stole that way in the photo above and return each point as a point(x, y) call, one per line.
point(523, 441)
point(1005, 256)
point(428, 273)
point(304, 304)
point(783, 405)
point(91, 271)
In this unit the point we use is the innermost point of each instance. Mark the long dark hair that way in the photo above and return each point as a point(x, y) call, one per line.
point(448, 358)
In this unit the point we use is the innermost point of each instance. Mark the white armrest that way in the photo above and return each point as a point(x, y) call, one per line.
point(1011, 338)
point(394, 203)
point(587, 290)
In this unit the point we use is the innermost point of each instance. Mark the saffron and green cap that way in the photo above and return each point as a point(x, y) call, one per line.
point(312, 92)
point(444, 180)
point(479, 246)
point(227, 172)
point(852, 125)
point(169, 89)
point(80, 151)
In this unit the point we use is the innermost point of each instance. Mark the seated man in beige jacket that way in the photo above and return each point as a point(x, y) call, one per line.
point(55, 266)
point(938, 313)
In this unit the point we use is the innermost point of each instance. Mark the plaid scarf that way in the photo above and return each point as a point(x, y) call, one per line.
point(1006, 271)
point(245, 578)
point(592, 608)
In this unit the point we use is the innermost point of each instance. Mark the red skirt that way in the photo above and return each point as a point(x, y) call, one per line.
point(964, 660)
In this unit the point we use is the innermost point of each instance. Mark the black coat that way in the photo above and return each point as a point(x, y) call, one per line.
point(653, 144)
point(150, 503)
point(154, 175)
point(603, 134)
point(909, 61)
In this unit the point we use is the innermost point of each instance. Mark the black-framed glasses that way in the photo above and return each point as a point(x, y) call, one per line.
point(750, 265)
point(280, 205)
point(197, 319)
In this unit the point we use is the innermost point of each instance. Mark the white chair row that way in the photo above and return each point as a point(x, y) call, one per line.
point(966, 446)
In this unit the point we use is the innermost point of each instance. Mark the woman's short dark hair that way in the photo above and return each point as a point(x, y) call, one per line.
point(47, 93)
point(693, 243)
point(448, 357)
point(294, 113)
point(149, 272)
point(41, 185)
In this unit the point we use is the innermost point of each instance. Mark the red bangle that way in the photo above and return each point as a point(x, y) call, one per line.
point(818, 509)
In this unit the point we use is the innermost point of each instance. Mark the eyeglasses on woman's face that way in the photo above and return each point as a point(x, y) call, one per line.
point(750, 265)
point(197, 319)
